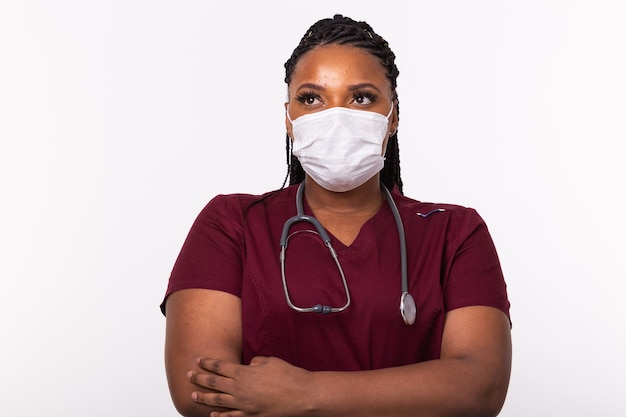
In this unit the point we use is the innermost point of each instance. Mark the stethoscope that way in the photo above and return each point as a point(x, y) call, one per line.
point(408, 310)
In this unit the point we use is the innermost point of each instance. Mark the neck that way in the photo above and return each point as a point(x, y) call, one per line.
point(366, 197)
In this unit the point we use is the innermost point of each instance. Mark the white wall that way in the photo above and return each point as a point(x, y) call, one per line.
point(119, 120)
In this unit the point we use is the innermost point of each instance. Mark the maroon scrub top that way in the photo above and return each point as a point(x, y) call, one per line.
point(233, 246)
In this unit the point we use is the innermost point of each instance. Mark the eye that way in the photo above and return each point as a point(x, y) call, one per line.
point(308, 98)
point(364, 97)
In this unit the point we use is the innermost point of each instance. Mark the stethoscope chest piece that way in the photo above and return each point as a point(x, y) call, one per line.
point(408, 308)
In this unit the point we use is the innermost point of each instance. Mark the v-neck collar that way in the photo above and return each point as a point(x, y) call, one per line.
point(368, 233)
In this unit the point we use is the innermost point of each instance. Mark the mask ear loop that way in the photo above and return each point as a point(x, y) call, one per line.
point(390, 110)
point(287, 114)
point(389, 131)
point(288, 152)
point(288, 156)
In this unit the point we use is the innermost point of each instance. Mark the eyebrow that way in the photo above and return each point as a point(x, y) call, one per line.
point(354, 87)
point(311, 86)
point(363, 85)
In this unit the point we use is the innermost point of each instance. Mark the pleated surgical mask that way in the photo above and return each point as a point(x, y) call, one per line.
point(340, 148)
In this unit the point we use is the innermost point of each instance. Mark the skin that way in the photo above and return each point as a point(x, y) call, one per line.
point(203, 332)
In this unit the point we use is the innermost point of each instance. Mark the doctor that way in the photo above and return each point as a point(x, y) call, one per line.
point(246, 332)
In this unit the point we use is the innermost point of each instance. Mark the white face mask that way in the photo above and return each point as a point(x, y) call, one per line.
point(340, 148)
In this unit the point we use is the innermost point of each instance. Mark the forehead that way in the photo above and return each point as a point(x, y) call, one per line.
point(338, 62)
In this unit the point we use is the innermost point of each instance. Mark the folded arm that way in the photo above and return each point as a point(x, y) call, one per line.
point(199, 323)
point(470, 379)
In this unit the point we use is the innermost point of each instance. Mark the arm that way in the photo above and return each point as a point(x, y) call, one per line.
point(470, 379)
point(198, 323)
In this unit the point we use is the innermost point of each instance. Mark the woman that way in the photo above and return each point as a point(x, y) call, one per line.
point(251, 332)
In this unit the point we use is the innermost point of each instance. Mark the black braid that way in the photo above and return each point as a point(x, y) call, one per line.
point(345, 31)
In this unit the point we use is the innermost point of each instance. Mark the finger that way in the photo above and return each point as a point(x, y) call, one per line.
point(231, 413)
point(217, 399)
point(258, 360)
point(211, 381)
point(217, 366)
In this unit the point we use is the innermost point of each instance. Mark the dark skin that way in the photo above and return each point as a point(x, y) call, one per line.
point(203, 340)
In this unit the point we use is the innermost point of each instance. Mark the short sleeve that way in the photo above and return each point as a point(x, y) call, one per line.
point(475, 276)
point(211, 256)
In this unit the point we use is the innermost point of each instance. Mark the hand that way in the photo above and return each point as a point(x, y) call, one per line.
point(267, 387)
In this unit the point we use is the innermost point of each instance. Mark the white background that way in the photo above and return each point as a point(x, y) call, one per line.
point(120, 119)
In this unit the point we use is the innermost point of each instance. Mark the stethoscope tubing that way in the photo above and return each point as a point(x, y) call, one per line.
point(284, 239)
point(407, 304)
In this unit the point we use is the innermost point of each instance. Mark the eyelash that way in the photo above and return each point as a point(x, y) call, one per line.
point(306, 95)
point(367, 94)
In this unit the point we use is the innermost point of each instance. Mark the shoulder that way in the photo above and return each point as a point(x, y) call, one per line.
point(452, 214)
point(454, 223)
point(236, 205)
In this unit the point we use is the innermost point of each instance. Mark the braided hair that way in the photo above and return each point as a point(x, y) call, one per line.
point(345, 31)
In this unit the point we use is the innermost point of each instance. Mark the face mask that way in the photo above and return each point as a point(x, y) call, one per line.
point(340, 148)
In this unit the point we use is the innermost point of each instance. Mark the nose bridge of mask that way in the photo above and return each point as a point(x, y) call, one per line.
point(342, 130)
point(338, 109)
